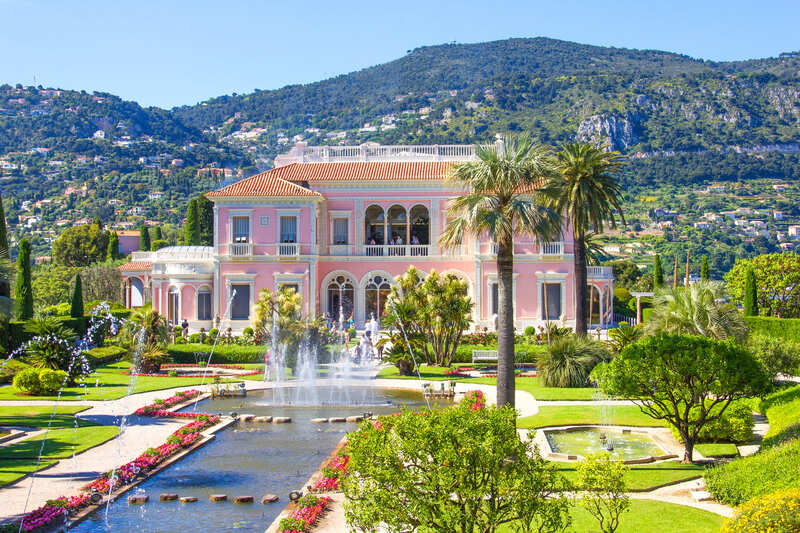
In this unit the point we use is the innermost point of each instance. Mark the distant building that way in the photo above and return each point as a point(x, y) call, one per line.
point(155, 195)
point(780, 187)
point(777, 215)
point(128, 241)
point(136, 210)
point(786, 246)
point(794, 232)
point(99, 134)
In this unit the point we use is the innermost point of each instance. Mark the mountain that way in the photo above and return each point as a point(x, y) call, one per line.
point(681, 121)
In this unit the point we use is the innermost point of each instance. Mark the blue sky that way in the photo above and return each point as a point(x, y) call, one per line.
point(172, 52)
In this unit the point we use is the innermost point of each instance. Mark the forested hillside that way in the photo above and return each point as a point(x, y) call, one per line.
point(682, 121)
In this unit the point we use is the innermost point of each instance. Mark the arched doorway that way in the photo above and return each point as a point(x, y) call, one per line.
point(173, 305)
point(593, 306)
point(137, 293)
point(420, 225)
point(341, 298)
point(376, 292)
point(398, 226)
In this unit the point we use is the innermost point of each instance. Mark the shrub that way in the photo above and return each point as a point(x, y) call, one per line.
point(11, 369)
point(782, 408)
point(530, 331)
point(228, 353)
point(195, 338)
point(782, 328)
point(177, 331)
point(735, 425)
point(248, 331)
point(106, 354)
point(776, 355)
point(61, 309)
point(569, 360)
point(778, 512)
point(50, 381)
point(28, 380)
point(596, 375)
point(351, 333)
point(40, 382)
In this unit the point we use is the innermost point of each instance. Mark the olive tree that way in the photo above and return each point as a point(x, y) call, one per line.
point(460, 470)
point(686, 381)
point(435, 308)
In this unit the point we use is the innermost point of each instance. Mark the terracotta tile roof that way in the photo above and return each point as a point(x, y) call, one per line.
point(364, 170)
point(127, 232)
point(137, 266)
point(264, 184)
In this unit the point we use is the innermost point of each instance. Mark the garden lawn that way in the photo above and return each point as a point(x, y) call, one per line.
point(108, 383)
point(61, 443)
point(717, 449)
point(38, 415)
point(645, 477)
point(565, 415)
point(647, 516)
point(432, 373)
point(11, 470)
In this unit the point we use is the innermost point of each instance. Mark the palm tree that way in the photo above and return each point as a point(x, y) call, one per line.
point(145, 326)
point(587, 194)
point(500, 200)
point(697, 309)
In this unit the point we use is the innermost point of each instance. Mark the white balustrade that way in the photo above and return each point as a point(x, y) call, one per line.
point(339, 249)
point(288, 249)
point(552, 248)
point(373, 250)
point(419, 250)
point(600, 272)
point(240, 249)
point(396, 250)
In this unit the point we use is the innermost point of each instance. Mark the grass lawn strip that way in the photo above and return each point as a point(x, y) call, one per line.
point(109, 383)
point(647, 516)
point(61, 443)
point(37, 415)
point(567, 415)
point(11, 470)
point(646, 477)
point(717, 449)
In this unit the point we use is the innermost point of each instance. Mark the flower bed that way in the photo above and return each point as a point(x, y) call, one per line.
point(309, 509)
point(193, 365)
point(187, 375)
point(160, 405)
point(455, 373)
point(332, 474)
point(474, 400)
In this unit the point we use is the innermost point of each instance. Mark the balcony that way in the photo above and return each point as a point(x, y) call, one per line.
point(599, 272)
point(397, 250)
point(288, 250)
point(240, 249)
point(552, 248)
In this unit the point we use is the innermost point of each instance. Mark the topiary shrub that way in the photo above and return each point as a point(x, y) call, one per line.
point(530, 331)
point(11, 369)
point(28, 381)
point(569, 360)
point(50, 381)
point(195, 338)
point(735, 425)
point(778, 512)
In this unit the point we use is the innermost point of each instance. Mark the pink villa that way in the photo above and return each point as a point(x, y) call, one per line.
point(338, 223)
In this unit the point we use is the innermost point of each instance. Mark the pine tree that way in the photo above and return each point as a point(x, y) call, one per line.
point(658, 273)
point(191, 231)
point(205, 215)
point(144, 238)
point(705, 273)
point(113, 247)
point(750, 294)
point(76, 307)
point(23, 292)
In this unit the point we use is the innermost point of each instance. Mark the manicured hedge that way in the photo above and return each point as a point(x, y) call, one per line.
point(523, 353)
point(106, 354)
point(785, 328)
point(775, 467)
point(223, 353)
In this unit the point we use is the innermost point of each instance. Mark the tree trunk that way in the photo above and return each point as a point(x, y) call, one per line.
point(688, 448)
point(505, 324)
point(581, 292)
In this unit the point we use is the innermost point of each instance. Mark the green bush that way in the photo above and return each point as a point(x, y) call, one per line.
point(784, 328)
point(50, 381)
point(778, 512)
point(40, 381)
point(735, 425)
point(530, 331)
point(776, 355)
point(195, 338)
point(227, 353)
point(105, 354)
point(61, 309)
point(351, 333)
point(782, 409)
point(523, 353)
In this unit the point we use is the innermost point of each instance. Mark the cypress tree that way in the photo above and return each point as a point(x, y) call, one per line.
point(144, 238)
point(658, 273)
point(750, 294)
point(23, 292)
point(155, 234)
point(191, 231)
point(205, 215)
point(113, 247)
point(5, 284)
point(76, 309)
point(705, 273)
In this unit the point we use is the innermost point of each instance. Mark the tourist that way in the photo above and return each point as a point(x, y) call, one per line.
point(415, 240)
point(350, 322)
point(184, 328)
point(202, 335)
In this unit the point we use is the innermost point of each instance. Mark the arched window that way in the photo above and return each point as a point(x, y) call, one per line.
point(204, 304)
point(374, 225)
point(593, 306)
point(341, 294)
point(420, 225)
point(398, 225)
point(376, 292)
